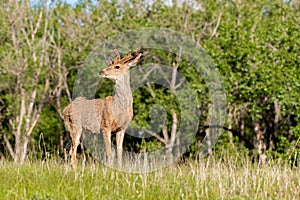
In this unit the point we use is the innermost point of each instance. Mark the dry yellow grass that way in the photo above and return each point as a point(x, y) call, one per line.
point(231, 177)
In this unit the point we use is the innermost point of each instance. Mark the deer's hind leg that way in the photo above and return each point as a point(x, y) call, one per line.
point(107, 141)
point(75, 135)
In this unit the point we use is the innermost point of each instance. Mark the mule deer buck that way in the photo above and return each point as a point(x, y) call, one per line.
point(110, 115)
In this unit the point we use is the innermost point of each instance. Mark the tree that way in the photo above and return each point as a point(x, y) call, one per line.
point(24, 65)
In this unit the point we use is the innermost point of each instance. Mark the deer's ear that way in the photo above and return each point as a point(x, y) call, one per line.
point(134, 61)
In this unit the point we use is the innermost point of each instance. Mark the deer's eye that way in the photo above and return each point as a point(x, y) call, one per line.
point(117, 67)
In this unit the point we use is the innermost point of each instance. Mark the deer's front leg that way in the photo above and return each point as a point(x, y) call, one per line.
point(107, 141)
point(120, 138)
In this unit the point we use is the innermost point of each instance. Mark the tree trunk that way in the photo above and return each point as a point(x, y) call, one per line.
point(259, 143)
point(171, 143)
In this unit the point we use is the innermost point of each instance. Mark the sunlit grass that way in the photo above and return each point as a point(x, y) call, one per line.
point(232, 177)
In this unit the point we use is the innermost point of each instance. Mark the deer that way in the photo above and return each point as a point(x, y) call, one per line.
point(110, 115)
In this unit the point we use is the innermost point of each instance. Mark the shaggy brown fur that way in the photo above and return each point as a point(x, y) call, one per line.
point(108, 115)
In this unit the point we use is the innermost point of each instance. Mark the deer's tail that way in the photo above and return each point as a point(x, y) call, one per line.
point(67, 115)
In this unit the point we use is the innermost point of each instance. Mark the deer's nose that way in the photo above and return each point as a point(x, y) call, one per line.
point(101, 72)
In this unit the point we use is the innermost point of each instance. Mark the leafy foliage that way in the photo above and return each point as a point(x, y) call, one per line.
point(255, 46)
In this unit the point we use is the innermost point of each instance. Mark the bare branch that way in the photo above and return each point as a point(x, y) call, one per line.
point(9, 147)
point(217, 25)
point(156, 136)
point(272, 47)
point(174, 127)
point(165, 134)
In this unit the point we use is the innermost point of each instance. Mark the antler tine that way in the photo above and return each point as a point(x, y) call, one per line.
point(110, 61)
point(130, 56)
point(116, 52)
point(126, 58)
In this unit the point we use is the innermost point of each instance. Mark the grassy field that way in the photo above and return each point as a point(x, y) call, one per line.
point(232, 177)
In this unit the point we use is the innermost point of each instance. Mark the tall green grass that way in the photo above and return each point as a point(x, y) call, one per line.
point(229, 177)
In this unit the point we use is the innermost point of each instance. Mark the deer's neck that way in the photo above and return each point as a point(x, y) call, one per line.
point(122, 98)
